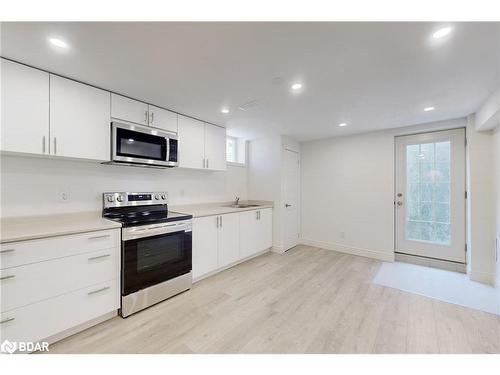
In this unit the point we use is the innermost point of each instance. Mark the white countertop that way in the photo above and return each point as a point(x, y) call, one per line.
point(219, 208)
point(33, 227)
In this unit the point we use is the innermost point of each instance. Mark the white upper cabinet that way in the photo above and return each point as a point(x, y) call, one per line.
point(25, 109)
point(163, 119)
point(201, 145)
point(191, 143)
point(215, 147)
point(127, 109)
point(79, 120)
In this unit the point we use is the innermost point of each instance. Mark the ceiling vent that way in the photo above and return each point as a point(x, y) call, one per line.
point(249, 105)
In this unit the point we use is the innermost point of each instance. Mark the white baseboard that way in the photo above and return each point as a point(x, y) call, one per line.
point(483, 277)
point(385, 256)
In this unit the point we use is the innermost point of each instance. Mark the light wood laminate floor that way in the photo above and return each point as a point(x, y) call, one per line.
point(307, 300)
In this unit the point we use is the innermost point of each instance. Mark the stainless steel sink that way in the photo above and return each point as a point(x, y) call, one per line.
point(242, 205)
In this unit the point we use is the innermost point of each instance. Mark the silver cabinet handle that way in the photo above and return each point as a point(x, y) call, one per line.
point(207, 162)
point(55, 146)
point(99, 257)
point(7, 251)
point(221, 221)
point(257, 215)
point(146, 117)
point(7, 320)
point(97, 237)
point(152, 117)
point(7, 277)
point(98, 290)
point(43, 144)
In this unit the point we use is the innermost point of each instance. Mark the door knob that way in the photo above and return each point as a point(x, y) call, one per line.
point(288, 205)
point(399, 203)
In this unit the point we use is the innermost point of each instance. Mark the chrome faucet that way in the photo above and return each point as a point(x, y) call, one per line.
point(236, 201)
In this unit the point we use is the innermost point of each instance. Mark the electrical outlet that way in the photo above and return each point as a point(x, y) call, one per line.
point(64, 196)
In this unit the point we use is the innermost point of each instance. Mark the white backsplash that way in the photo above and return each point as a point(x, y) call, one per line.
point(34, 186)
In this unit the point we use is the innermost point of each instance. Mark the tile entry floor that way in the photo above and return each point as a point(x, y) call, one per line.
point(307, 300)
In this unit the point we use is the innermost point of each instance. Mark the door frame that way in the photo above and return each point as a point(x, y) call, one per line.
point(465, 201)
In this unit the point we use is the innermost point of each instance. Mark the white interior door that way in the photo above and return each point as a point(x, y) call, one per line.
point(430, 195)
point(291, 199)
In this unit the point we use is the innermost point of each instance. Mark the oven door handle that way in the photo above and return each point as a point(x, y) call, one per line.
point(155, 230)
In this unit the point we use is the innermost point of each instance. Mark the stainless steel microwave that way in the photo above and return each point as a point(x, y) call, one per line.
point(145, 146)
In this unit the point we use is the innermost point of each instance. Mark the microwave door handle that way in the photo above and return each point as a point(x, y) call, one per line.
point(168, 149)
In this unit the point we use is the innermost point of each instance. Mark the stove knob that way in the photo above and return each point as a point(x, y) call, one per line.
point(110, 198)
point(163, 196)
point(119, 198)
point(157, 197)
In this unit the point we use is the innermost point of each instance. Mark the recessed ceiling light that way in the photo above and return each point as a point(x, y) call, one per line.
point(441, 32)
point(342, 124)
point(58, 42)
point(427, 109)
point(224, 110)
point(296, 86)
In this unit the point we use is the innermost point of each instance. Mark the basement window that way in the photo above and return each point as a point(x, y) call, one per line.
point(235, 151)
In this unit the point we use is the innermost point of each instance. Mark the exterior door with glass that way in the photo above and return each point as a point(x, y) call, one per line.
point(430, 195)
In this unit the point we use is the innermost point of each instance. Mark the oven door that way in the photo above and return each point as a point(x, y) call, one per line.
point(155, 253)
point(136, 144)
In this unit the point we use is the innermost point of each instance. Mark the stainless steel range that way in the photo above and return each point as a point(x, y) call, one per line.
point(156, 248)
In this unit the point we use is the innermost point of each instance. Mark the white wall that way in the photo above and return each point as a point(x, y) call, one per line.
point(480, 205)
point(32, 186)
point(488, 116)
point(348, 191)
point(496, 150)
point(265, 178)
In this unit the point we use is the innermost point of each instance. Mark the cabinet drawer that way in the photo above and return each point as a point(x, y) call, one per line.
point(25, 252)
point(23, 285)
point(49, 317)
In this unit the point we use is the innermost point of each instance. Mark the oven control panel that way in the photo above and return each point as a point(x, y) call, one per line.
point(123, 199)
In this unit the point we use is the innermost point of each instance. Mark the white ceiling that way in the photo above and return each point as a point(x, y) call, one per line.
point(370, 75)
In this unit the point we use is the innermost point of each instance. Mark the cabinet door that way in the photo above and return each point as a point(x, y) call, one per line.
point(191, 143)
point(79, 120)
point(25, 109)
point(229, 241)
point(215, 147)
point(163, 119)
point(265, 224)
point(249, 232)
point(205, 233)
point(127, 109)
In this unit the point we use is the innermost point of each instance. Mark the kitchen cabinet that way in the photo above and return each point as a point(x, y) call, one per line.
point(130, 110)
point(228, 239)
point(162, 119)
point(79, 120)
point(223, 240)
point(25, 109)
point(191, 143)
point(205, 245)
point(201, 145)
point(55, 284)
point(126, 109)
point(215, 243)
point(255, 232)
point(215, 147)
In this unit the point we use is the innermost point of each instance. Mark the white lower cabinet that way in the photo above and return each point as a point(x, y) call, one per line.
point(228, 235)
point(222, 240)
point(256, 232)
point(51, 285)
point(205, 242)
